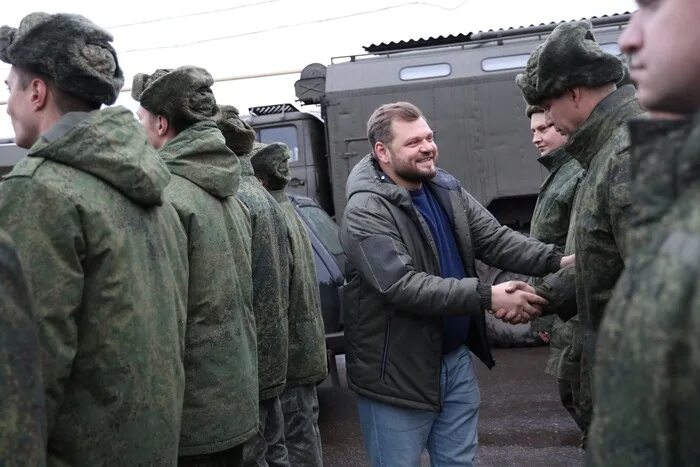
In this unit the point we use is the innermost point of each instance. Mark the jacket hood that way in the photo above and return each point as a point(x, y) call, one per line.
point(366, 176)
point(111, 145)
point(199, 154)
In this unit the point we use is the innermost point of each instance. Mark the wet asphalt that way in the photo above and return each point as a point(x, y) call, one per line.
point(522, 422)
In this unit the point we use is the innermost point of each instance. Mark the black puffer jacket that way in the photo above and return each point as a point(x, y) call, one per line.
point(394, 298)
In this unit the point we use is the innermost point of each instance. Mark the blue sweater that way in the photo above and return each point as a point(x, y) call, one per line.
point(455, 328)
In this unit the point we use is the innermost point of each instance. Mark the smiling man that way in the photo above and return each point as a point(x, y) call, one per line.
point(414, 307)
point(647, 374)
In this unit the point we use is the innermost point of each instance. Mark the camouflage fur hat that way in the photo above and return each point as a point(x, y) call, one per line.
point(183, 95)
point(533, 109)
point(270, 163)
point(71, 50)
point(527, 81)
point(239, 135)
point(571, 57)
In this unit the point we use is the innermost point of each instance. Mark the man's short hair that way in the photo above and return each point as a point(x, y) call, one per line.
point(379, 123)
point(64, 101)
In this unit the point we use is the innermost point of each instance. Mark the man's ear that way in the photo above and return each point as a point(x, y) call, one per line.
point(163, 125)
point(576, 96)
point(39, 94)
point(382, 152)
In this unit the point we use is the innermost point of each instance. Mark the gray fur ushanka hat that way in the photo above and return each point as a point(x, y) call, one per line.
point(266, 159)
point(239, 135)
point(71, 50)
point(527, 81)
point(571, 57)
point(183, 95)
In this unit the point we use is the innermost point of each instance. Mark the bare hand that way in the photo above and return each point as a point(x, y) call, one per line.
point(516, 302)
point(544, 335)
point(567, 261)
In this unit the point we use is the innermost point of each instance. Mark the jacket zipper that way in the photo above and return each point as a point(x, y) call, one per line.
point(385, 354)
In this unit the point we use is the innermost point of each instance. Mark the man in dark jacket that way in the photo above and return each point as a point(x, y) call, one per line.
point(414, 308)
point(647, 371)
point(104, 254)
point(221, 379)
point(576, 84)
point(270, 264)
point(307, 346)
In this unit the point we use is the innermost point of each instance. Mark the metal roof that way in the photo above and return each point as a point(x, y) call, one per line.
point(384, 47)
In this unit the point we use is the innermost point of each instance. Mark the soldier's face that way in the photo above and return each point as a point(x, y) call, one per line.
point(544, 136)
point(662, 43)
point(563, 113)
point(412, 154)
point(21, 105)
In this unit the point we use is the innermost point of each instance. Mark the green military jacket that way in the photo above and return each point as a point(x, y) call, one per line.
point(270, 252)
point(22, 417)
point(221, 380)
point(307, 339)
point(106, 260)
point(550, 224)
point(647, 371)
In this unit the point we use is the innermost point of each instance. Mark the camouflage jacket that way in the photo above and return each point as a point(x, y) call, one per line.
point(550, 224)
point(600, 216)
point(647, 371)
point(106, 260)
point(270, 252)
point(221, 380)
point(307, 339)
point(22, 417)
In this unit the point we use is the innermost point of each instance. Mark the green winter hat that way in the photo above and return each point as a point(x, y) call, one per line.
point(183, 95)
point(571, 57)
point(71, 50)
point(271, 164)
point(527, 81)
point(239, 135)
point(533, 109)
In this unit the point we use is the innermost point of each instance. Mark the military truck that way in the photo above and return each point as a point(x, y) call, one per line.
point(465, 86)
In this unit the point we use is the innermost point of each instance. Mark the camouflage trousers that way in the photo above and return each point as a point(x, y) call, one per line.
point(301, 432)
point(267, 447)
point(229, 458)
point(573, 367)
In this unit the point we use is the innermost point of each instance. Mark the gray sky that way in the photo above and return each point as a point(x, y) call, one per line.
point(253, 37)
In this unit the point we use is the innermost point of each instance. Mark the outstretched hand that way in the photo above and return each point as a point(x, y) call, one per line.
point(516, 302)
point(567, 261)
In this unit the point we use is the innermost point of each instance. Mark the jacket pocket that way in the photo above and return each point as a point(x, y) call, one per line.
point(385, 353)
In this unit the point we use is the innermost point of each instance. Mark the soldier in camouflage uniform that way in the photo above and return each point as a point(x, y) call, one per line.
point(22, 417)
point(271, 258)
point(647, 373)
point(550, 224)
point(307, 347)
point(220, 411)
point(575, 84)
point(105, 256)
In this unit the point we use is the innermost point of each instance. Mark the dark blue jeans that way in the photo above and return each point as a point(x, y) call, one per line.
point(396, 436)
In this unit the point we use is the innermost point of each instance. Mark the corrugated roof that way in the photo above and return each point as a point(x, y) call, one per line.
point(491, 33)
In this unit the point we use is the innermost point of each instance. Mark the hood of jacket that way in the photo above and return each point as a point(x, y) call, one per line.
point(366, 176)
point(609, 115)
point(111, 145)
point(199, 154)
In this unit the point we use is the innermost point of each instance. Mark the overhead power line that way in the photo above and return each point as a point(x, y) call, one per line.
point(293, 25)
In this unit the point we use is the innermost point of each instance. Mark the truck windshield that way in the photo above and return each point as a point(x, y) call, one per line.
point(286, 134)
point(324, 227)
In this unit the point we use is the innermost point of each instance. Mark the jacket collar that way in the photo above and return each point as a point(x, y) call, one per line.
point(607, 116)
point(554, 160)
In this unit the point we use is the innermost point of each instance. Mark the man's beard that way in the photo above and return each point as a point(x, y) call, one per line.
point(413, 175)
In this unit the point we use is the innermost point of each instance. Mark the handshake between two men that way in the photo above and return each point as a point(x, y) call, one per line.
point(517, 302)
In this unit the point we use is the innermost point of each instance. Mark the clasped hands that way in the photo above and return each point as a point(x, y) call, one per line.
point(517, 302)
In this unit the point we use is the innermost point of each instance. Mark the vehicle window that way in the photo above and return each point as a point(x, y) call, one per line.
point(510, 62)
point(286, 134)
point(323, 226)
point(612, 48)
point(435, 70)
